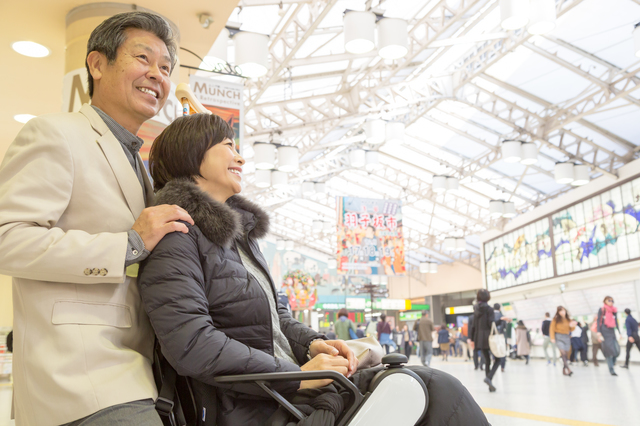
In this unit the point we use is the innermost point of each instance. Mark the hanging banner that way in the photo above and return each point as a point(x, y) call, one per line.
point(224, 99)
point(370, 238)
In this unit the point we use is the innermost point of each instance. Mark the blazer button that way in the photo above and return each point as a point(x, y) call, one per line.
point(103, 272)
point(95, 271)
point(87, 271)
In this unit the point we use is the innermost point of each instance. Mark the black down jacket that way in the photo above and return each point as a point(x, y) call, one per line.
point(211, 317)
point(483, 317)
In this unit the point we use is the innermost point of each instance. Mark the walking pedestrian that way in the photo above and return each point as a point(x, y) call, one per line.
point(595, 342)
point(424, 327)
point(547, 340)
point(384, 334)
point(443, 341)
point(632, 335)
point(483, 318)
point(407, 341)
point(607, 325)
point(502, 327)
point(559, 330)
point(523, 341)
point(344, 327)
point(577, 345)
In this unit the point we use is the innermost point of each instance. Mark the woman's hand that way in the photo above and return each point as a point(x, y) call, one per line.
point(324, 361)
point(335, 347)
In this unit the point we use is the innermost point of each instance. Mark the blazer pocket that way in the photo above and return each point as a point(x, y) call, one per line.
point(91, 313)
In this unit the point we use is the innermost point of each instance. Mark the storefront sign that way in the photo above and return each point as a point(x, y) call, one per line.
point(454, 310)
point(356, 303)
point(410, 316)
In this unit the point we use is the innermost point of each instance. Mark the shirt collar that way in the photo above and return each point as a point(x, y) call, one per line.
point(132, 142)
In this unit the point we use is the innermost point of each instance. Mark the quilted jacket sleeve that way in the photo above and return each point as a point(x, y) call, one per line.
point(299, 335)
point(172, 288)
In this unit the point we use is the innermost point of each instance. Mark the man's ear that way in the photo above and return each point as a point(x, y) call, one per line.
point(96, 61)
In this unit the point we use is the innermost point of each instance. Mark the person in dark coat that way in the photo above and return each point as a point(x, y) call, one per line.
point(607, 325)
point(632, 335)
point(213, 305)
point(483, 317)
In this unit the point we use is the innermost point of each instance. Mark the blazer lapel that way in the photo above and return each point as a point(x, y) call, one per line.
point(124, 173)
point(148, 187)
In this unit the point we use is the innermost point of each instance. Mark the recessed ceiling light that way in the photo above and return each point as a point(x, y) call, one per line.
point(29, 48)
point(23, 118)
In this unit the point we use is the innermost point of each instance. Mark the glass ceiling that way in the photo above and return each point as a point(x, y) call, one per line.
point(571, 91)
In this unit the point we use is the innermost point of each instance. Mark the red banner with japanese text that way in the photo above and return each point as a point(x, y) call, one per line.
point(370, 240)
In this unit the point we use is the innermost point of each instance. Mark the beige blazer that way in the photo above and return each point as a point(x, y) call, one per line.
point(83, 342)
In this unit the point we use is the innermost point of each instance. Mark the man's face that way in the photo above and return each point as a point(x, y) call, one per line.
point(136, 84)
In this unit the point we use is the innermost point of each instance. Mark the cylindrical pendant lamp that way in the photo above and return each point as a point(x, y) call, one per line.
point(316, 226)
point(263, 178)
point(496, 208)
point(251, 53)
point(433, 268)
point(359, 31)
point(453, 184)
point(511, 151)
point(372, 158)
point(424, 267)
point(514, 14)
point(308, 188)
point(280, 245)
point(374, 131)
point(287, 158)
point(320, 187)
point(279, 179)
point(529, 153)
point(218, 52)
point(543, 17)
point(264, 155)
point(393, 38)
point(563, 173)
point(450, 243)
point(509, 210)
point(289, 245)
point(461, 244)
point(439, 183)
point(328, 227)
point(580, 175)
point(357, 158)
point(395, 131)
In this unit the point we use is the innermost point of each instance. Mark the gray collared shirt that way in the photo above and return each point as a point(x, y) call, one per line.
point(131, 144)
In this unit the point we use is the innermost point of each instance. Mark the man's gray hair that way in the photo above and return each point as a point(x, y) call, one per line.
point(107, 37)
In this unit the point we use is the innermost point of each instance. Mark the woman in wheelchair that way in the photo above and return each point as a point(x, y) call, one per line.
point(213, 304)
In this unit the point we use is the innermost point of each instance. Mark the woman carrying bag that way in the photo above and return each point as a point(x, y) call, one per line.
point(484, 328)
point(607, 324)
point(523, 341)
point(345, 328)
point(559, 332)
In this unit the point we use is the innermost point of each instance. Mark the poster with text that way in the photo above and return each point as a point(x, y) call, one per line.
point(370, 240)
point(224, 99)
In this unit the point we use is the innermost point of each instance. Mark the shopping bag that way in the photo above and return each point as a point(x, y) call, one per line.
point(497, 343)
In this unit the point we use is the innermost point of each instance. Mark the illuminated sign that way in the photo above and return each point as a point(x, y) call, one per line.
point(410, 316)
point(453, 310)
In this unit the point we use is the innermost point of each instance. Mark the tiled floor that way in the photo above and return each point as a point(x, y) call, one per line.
point(528, 395)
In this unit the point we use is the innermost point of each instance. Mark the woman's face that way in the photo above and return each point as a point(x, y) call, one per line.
point(609, 302)
point(221, 171)
point(562, 313)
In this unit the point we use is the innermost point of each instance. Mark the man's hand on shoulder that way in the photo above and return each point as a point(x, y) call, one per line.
point(156, 222)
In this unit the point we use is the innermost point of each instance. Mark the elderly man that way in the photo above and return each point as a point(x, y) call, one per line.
point(425, 328)
point(73, 226)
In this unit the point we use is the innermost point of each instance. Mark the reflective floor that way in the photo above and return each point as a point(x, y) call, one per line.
point(539, 395)
point(527, 395)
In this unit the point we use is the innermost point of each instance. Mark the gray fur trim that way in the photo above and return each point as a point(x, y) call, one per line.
point(220, 223)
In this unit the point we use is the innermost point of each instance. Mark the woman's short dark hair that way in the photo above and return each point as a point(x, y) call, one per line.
point(383, 317)
point(179, 150)
point(607, 298)
point(343, 313)
point(107, 37)
point(483, 295)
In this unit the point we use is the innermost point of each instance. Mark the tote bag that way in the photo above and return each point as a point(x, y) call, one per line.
point(496, 343)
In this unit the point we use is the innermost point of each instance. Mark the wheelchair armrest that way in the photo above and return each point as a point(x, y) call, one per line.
point(263, 378)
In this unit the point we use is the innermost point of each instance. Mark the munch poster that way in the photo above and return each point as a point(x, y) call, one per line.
point(370, 240)
point(221, 98)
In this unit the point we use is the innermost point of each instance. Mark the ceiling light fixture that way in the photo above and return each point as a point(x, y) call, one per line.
point(453, 184)
point(264, 155)
point(496, 209)
point(359, 32)
point(320, 187)
point(509, 210)
point(280, 245)
point(439, 184)
point(251, 53)
point(636, 39)
point(424, 267)
point(358, 158)
point(514, 14)
point(287, 158)
point(279, 179)
point(450, 244)
point(461, 244)
point(307, 188)
point(529, 153)
point(374, 131)
point(394, 131)
point(511, 151)
point(263, 178)
point(580, 175)
point(31, 49)
point(23, 118)
point(218, 52)
point(433, 268)
point(393, 38)
point(543, 17)
point(563, 172)
point(289, 245)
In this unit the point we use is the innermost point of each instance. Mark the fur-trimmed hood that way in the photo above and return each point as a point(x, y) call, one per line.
point(220, 222)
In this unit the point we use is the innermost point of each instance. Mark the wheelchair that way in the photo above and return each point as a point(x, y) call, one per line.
point(394, 386)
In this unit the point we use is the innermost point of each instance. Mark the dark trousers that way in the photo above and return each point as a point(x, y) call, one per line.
point(636, 342)
point(596, 347)
point(496, 364)
point(407, 349)
point(578, 346)
point(478, 358)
